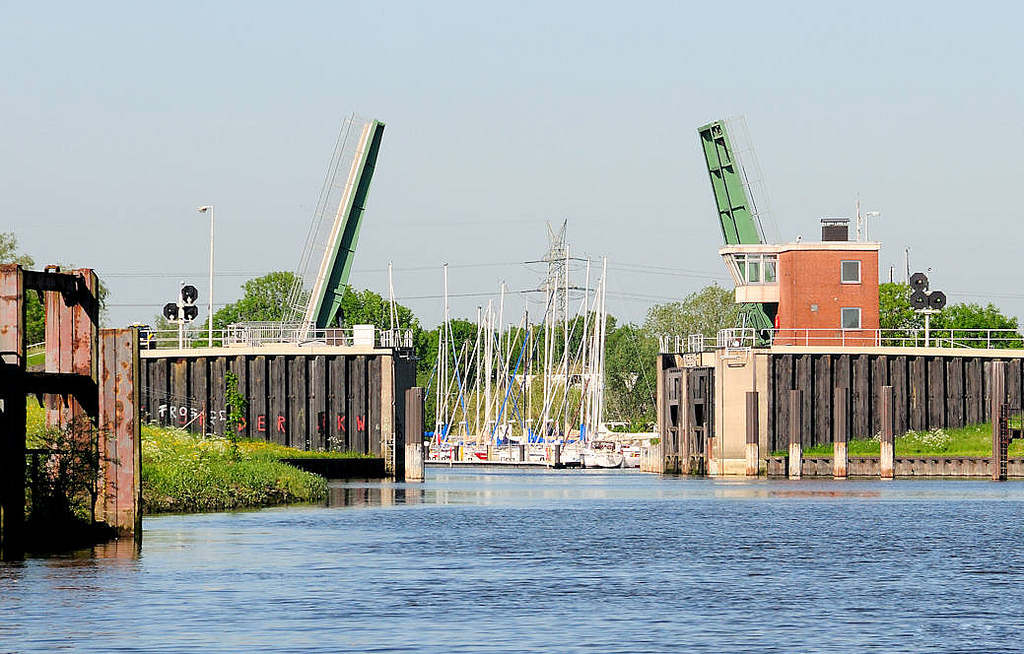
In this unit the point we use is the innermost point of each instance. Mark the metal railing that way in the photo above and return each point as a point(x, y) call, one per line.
point(744, 338)
point(258, 334)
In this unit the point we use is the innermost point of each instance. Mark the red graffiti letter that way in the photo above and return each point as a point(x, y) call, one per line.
point(360, 423)
point(341, 423)
point(241, 424)
point(280, 424)
point(261, 423)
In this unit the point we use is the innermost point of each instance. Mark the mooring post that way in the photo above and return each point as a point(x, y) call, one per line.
point(887, 460)
point(998, 385)
point(795, 447)
point(414, 434)
point(557, 457)
point(840, 455)
point(753, 455)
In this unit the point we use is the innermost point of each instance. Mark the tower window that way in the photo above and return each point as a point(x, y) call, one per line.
point(850, 272)
point(851, 317)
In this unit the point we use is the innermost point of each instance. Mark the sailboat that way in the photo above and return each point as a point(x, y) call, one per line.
point(601, 454)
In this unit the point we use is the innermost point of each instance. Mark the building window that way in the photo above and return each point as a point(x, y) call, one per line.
point(850, 272)
point(755, 269)
point(851, 317)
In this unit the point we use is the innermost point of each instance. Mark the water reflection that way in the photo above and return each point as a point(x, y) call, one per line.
point(370, 494)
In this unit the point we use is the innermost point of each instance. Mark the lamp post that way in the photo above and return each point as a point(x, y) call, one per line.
point(208, 208)
point(867, 217)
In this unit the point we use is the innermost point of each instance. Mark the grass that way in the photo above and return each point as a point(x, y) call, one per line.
point(973, 440)
point(188, 473)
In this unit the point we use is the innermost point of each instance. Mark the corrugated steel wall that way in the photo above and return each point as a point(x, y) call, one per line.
point(928, 392)
point(312, 402)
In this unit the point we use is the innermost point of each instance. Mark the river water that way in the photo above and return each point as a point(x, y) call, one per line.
point(559, 561)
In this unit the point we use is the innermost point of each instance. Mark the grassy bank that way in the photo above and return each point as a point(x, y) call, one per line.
point(183, 472)
point(974, 440)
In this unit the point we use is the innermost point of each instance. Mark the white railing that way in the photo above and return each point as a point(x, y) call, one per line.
point(258, 334)
point(743, 338)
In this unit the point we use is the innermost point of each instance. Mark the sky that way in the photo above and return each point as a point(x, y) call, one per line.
point(117, 120)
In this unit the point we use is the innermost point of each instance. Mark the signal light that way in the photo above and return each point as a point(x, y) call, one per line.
point(919, 282)
point(189, 294)
point(171, 311)
point(919, 300)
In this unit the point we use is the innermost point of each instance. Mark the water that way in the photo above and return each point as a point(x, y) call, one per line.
point(551, 561)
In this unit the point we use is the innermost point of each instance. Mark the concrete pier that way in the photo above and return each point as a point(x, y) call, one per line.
point(886, 445)
point(795, 447)
point(753, 453)
point(414, 462)
point(840, 430)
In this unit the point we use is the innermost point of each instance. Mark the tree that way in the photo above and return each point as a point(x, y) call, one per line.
point(34, 313)
point(894, 310)
point(895, 313)
point(630, 368)
point(978, 320)
point(264, 299)
point(706, 312)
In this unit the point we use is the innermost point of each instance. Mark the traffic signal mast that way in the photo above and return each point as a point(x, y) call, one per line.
point(184, 310)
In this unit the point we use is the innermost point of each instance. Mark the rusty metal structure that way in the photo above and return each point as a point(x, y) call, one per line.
point(89, 374)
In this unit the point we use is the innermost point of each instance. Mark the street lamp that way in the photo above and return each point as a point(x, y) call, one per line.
point(869, 214)
point(208, 208)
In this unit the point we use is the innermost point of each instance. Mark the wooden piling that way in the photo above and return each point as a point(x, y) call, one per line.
point(795, 421)
point(753, 455)
point(886, 444)
point(840, 455)
point(997, 382)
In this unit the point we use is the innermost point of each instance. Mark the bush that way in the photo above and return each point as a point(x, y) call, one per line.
point(182, 472)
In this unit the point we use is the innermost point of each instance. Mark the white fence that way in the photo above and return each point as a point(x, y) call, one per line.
point(741, 338)
point(257, 334)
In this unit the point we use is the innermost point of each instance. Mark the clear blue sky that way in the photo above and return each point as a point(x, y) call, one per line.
point(117, 120)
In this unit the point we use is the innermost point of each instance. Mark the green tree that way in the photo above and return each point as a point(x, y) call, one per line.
point(894, 311)
point(630, 367)
point(264, 299)
point(706, 312)
point(34, 313)
point(977, 319)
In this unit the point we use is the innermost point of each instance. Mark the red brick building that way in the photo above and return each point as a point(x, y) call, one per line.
point(818, 293)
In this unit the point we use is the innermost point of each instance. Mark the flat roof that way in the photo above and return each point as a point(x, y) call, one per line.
point(776, 248)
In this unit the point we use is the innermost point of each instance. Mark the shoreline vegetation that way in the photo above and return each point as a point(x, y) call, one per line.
point(973, 440)
point(184, 472)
